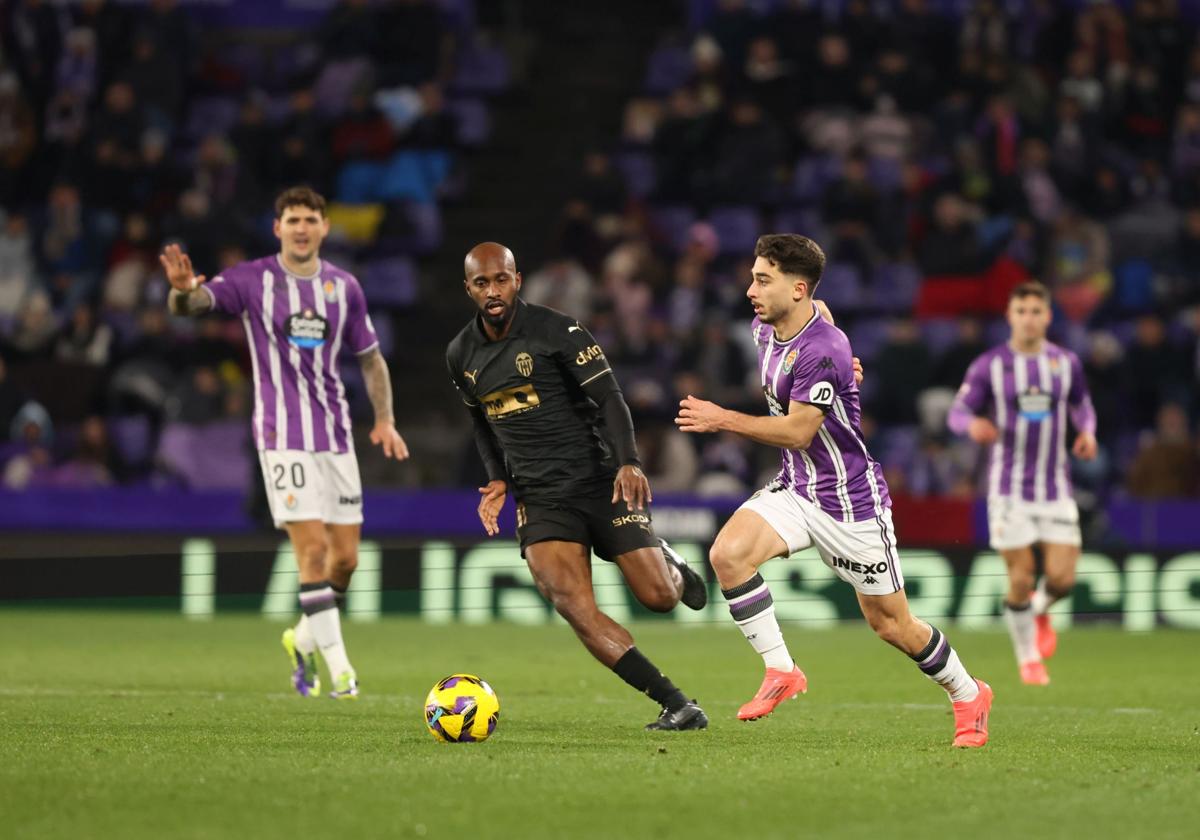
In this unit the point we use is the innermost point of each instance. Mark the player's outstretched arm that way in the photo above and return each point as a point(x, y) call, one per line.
point(379, 389)
point(794, 430)
point(186, 297)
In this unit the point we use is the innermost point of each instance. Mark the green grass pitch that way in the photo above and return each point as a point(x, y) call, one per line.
point(142, 725)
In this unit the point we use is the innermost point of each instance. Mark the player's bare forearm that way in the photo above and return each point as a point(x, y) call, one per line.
point(794, 430)
point(190, 303)
point(787, 432)
point(379, 385)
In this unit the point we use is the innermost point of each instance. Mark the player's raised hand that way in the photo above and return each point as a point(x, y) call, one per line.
point(696, 415)
point(631, 487)
point(385, 435)
point(858, 370)
point(490, 505)
point(982, 430)
point(1085, 446)
point(178, 268)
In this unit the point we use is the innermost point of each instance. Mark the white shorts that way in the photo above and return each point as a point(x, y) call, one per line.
point(1014, 523)
point(312, 485)
point(861, 553)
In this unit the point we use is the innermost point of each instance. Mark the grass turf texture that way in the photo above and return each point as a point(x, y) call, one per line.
point(144, 725)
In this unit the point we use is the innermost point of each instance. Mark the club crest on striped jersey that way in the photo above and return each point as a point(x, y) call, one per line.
point(307, 329)
point(790, 360)
point(330, 290)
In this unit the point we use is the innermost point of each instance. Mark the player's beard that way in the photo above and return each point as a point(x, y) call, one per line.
point(500, 320)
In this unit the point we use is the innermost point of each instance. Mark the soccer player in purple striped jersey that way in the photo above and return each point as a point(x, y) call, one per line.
point(1016, 399)
point(299, 312)
point(829, 493)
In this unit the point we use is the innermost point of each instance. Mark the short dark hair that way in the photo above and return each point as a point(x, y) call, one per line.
point(1030, 288)
point(299, 197)
point(792, 253)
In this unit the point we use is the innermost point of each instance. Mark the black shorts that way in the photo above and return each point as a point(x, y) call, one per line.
point(594, 521)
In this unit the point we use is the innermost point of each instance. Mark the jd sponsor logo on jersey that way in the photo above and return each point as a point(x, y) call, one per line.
point(821, 394)
point(789, 361)
point(524, 364)
point(1034, 404)
point(307, 329)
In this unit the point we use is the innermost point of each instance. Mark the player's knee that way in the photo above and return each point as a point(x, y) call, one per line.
point(311, 555)
point(728, 557)
point(661, 597)
point(1060, 584)
point(346, 563)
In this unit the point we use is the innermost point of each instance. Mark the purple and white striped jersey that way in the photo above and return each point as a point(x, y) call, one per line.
point(815, 366)
point(296, 327)
point(1028, 397)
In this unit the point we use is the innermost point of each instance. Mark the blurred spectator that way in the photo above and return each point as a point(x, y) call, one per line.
point(904, 369)
point(1157, 372)
point(1079, 258)
point(561, 284)
point(91, 463)
point(84, 342)
point(851, 208)
point(749, 150)
point(1167, 466)
point(952, 246)
point(17, 269)
point(30, 460)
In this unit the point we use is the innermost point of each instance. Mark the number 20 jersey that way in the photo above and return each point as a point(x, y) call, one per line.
point(836, 472)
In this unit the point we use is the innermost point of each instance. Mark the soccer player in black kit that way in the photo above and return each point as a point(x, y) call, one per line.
point(550, 422)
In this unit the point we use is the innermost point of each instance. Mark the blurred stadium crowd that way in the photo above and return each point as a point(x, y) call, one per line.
point(940, 151)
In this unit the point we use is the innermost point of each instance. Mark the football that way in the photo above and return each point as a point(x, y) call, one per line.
point(462, 708)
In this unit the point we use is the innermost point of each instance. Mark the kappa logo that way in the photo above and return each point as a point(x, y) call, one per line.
point(826, 363)
point(470, 374)
point(870, 580)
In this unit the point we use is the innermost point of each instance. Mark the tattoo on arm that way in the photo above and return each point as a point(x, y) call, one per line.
point(194, 302)
point(379, 384)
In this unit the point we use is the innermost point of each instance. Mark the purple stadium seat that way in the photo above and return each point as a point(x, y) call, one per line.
point(482, 68)
point(867, 337)
point(841, 288)
point(131, 438)
point(737, 228)
point(210, 457)
point(211, 115)
point(335, 84)
point(894, 287)
point(996, 331)
point(637, 168)
point(472, 119)
point(389, 282)
point(671, 222)
point(939, 334)
point(667, 69)
point(802, 220)
point(813, 175)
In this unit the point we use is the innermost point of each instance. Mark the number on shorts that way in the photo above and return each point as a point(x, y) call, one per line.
point(281, 473)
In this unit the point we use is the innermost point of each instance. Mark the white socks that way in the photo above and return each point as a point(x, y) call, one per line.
point(753, 609)
point(324, 622)
point(938, 661)
point(1023, 632)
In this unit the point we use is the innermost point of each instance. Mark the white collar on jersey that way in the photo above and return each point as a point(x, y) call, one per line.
point(807, 324)
point(315, 275)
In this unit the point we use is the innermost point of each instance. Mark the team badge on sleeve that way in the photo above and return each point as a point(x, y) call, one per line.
point(790, 361)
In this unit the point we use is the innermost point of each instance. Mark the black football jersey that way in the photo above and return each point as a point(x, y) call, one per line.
point(529, 386)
